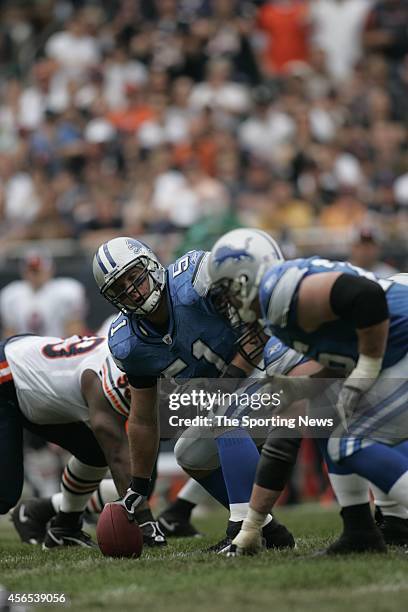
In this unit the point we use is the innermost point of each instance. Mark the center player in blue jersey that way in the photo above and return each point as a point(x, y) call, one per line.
point(169, 327)
point(347, 320)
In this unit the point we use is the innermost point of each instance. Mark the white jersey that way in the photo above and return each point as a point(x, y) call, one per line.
point(45, 311)
point(47, 375)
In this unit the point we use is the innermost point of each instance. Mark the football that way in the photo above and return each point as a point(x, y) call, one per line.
point(116, 535)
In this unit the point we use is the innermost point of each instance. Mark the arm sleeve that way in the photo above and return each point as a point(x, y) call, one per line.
point(359, 301)
point(141, 382)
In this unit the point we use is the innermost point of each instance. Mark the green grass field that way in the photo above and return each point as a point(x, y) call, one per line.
point(183, 578)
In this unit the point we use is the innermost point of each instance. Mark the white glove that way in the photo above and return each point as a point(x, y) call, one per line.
point(249, 540)
point(360, 381)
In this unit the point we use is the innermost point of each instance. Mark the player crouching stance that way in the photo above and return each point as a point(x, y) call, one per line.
point(68, 392)
point(346, 319)
point(169, 327)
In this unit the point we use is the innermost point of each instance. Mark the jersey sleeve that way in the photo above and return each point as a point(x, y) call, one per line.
point(115, 387)
point(279, 359)
point(277, 290)
point(187, 276)
point(201, 277)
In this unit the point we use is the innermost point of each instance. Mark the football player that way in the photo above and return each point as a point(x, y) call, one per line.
point(346, 319)
point(69, 392)
point(169, 327)
point(40, 303)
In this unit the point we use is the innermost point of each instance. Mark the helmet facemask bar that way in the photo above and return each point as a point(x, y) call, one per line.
point(220, 294)
point(251, 344)
point(141, 295)
point(251, 339)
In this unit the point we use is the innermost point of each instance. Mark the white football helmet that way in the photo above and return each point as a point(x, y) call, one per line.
point(129, 275)
point(237, 262)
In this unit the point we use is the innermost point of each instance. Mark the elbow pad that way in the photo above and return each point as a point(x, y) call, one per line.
point(359, 301)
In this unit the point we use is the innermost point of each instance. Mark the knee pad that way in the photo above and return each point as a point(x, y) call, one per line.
point(195, 452)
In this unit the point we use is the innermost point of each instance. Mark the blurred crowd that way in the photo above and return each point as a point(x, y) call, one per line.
point(192, 116)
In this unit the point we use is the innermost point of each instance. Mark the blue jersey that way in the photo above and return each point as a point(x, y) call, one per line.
point(333, 344)
point(198, 341)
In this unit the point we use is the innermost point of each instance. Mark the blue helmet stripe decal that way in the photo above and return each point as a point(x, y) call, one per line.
point(101, 265)
point(109, 256)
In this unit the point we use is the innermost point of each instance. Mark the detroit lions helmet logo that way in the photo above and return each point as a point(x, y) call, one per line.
point(133, 246)
point(224, 253)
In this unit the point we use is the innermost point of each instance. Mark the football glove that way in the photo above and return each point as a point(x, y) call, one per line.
point(131, 502)
point(247, 542)
point(359, 382)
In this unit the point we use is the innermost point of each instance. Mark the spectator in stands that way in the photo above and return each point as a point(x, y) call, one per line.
point(366, 252)
point(162, 100)
point(337, 30)
point(285, 210)
point(386, 29)
point(286, 27)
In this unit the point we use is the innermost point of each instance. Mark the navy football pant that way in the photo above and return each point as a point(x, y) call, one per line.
point(76, 438)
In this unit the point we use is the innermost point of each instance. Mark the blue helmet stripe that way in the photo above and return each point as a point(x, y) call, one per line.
point(101, 265)
point(109, 256)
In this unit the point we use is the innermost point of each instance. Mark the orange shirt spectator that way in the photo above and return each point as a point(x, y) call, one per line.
point(285, 22)
point(136, 111)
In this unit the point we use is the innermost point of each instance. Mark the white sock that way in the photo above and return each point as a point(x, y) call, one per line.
point(79, 481)
point(194, 493)
point(105, 493)
point(388, 506)
point(238, 512)
point(350, 489)
point(399, 490)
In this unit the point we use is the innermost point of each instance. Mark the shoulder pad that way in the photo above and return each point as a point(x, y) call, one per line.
point(278, 288)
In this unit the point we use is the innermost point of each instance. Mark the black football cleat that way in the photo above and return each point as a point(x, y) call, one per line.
point(57, 537)
point(176, 527)
point(30, 519)
point(275, 536)
point(394, 530)
point(220, 548)
point(152, 534)
point(351, 542)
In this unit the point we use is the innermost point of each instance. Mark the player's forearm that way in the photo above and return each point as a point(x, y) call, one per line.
point(119, 465)
point(143, 445)
point(372, 340)
point(263, 500)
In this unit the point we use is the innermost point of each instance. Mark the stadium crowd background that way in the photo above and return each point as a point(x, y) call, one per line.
point(178, 120)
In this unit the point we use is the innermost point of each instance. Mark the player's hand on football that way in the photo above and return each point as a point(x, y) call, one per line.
point(247, 542)
point(131, 502)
